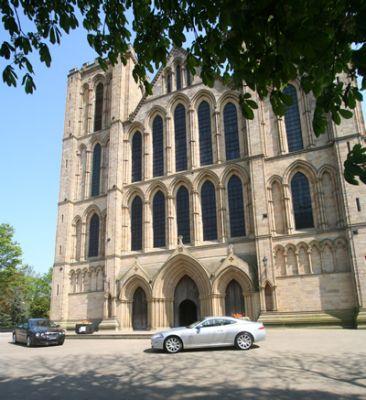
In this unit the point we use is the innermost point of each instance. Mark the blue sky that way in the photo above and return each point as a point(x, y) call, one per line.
point(31, 131)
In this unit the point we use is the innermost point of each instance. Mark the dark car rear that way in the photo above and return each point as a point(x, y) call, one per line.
point(39, 331)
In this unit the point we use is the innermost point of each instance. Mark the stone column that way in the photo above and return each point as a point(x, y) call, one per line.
point(288, 209)
point(169, 145)
point(125, 229)
point(221, 206)
point(172, 234)
point(217, 135)
point(193, 140)
point(147, 228)
point(319, 216)
point(126, 166)
point(282, 138)
point(88, 174)
point(147, 156)
point(197, 229)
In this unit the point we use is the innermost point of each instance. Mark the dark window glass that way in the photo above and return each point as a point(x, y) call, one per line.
point(97, 154)
point(178, 77)
point(232, 147)
point(208, 207)
point(169, 82)
point(158, 147)
point(93, 250)
point(236, 207)
point(136, 157)
point(188, 77)
point(182, 207)
point(301, 201)
point(204, 127)
point(136, 224)
point(159, 219)
point(98, 113)
point(292, 121)
point(180, 138)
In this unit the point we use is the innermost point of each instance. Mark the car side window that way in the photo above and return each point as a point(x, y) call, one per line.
point(208, 323)
point(226, 322)
point(25, 326)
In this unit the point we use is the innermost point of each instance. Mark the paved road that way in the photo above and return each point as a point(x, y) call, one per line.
point(291, 364)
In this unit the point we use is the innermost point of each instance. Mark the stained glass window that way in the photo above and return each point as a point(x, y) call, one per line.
point(178, 77)
point(158, 146)
point(301, 201)
point(136, 224)
point(159, 219)
point(98, 113)
point(205, 137)
point(180, 138)
point(208, 208)
point(97, 154)
point(292, 121)
point(236, 207)
point(136, 157)
point(183, 217)
point(93, 250)
point(232, 147)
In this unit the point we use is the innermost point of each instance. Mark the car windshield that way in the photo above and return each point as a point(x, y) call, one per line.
point(194, 324)
point(43, 323)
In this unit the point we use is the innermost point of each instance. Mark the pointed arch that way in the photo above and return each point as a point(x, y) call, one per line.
point(136, 221)
point(208, 211)
point(301, 201)
point(180, 135)
point(235, 198)
point(183, 214)
point(94, 233)
point(231, 131)
point(159, 218)
point(158, 146)
point(96, 169)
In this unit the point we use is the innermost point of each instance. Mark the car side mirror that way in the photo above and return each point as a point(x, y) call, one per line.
point(198, 329)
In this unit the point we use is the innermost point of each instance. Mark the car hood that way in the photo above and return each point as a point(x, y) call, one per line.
point(45, 329)
point(176, 330)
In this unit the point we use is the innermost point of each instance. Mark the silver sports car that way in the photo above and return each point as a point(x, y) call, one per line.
point(210, 332)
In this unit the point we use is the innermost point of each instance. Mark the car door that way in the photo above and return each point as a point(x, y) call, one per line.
point(205, 334)
point(225, 331)
point(21, 333)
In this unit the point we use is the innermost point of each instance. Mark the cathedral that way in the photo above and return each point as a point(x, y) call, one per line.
point(173, 206)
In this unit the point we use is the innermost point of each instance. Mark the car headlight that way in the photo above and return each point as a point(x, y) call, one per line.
point(157, 336)
point(38, 334)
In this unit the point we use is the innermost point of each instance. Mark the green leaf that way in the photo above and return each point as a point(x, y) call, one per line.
point(347, 114)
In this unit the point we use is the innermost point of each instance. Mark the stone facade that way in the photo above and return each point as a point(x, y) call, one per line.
point(285, 275)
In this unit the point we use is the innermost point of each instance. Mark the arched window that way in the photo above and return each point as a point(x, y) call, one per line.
point(136, 157)
point(178, 77)
point(301, 201)
point(180, 138)
point(136, 224)
point(182, 208)
point(98, 112)
point(188, 77)
point(159, 219)
point(97, 156)
point(204, 127)
point(292, 121)
point(232, 147)
point(236, 207)
point(93, 250)
point(208, 207)
point(158, 146)
point(169, 82)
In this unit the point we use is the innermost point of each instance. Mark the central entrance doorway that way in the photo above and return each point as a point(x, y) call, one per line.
point(186, 302)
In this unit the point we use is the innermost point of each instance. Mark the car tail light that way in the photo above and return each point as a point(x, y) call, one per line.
point(261, 328)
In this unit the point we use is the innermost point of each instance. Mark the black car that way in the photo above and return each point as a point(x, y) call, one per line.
point(38, 331)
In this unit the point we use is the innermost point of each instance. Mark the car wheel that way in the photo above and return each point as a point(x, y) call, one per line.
point(29, 341)
point(244, 341)
point(173, 344)
point(61, 342)
point(14, 339)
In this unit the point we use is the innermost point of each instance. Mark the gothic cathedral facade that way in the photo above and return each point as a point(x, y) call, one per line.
point(173, 207)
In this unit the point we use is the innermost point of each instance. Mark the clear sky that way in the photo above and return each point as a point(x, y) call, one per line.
point(30, 151)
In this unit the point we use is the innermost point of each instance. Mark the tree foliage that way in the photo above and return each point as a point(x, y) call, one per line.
point(263, 43)
point(23, 293)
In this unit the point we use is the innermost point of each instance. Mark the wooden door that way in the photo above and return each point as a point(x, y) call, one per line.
point(139, 310)
point(234, 301)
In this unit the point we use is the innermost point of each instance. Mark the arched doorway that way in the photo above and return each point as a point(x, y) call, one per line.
point(139, 310)
point(234, 300)
point(186, 302)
